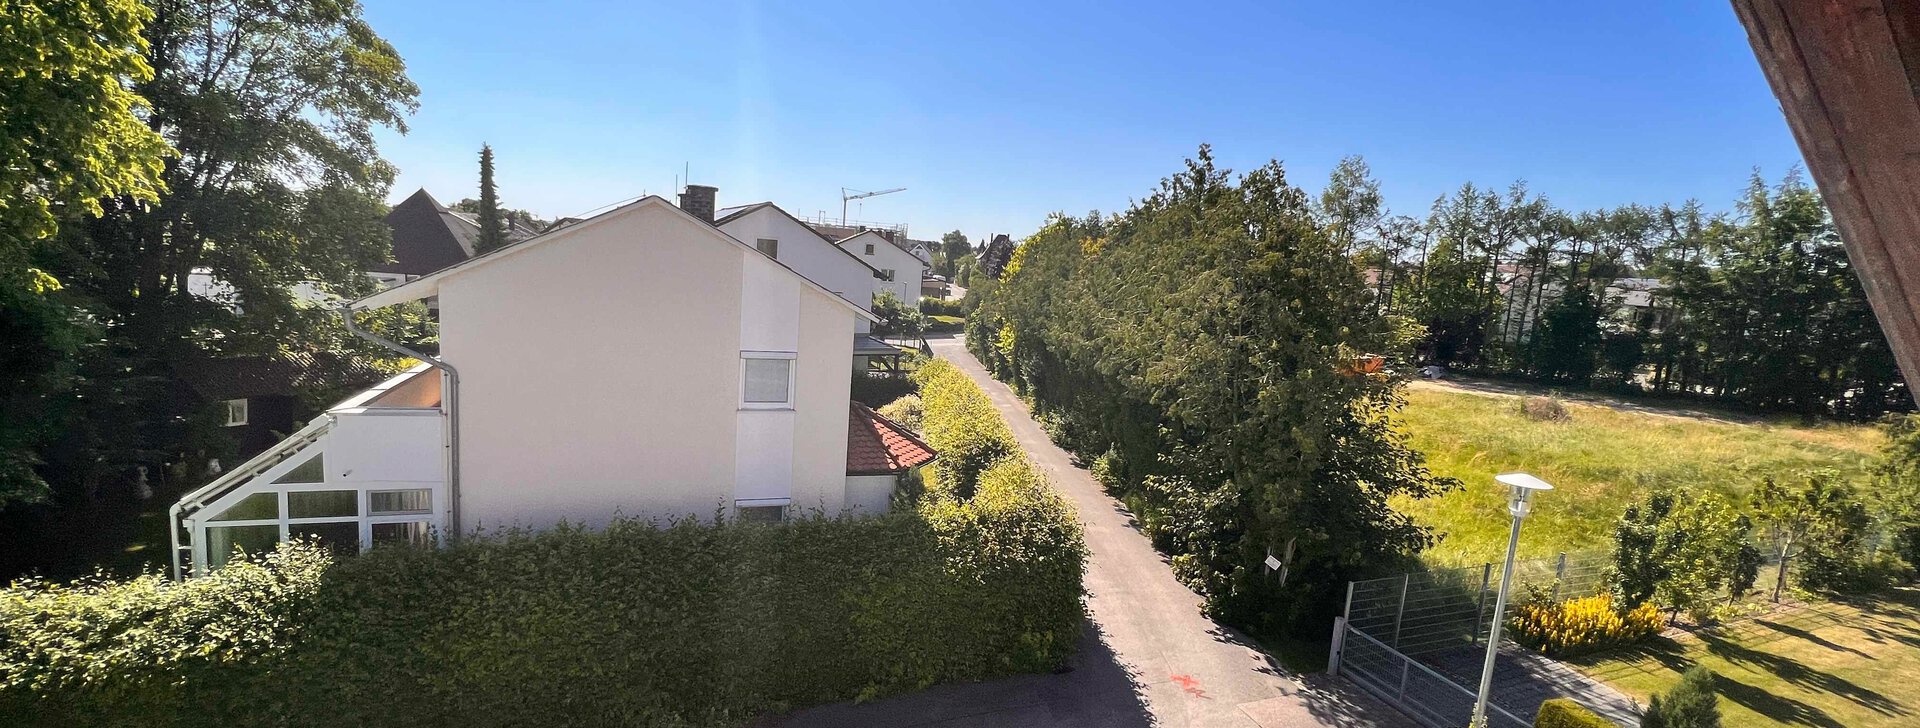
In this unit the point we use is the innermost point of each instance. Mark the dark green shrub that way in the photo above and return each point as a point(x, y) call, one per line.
point(149, 651)
point(1690, 704)
point(876, 392)
point(942, 307)
point(1564, 713)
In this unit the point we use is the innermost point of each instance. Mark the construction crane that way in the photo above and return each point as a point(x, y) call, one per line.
point(847, 194)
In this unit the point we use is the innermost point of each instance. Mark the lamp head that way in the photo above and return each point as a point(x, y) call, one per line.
point(1523, 487)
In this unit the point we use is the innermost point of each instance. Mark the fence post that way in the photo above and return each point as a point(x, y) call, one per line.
point(1339, 640)
point(1347, 612)
point(1480, 612)
point(1559, 573)
point(1406, 580)
point(1406, 664)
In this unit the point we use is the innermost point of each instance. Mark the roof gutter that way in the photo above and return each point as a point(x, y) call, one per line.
point(449, 400)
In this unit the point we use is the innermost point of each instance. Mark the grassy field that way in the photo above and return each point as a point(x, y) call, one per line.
point(1599, 461)
point(1831, 664)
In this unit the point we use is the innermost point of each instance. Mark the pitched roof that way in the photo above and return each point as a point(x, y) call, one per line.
point(427, 236)
point(879, 446)
point(429, 285)
point(730, 214)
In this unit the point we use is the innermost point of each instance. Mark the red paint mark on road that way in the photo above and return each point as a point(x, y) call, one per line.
point(1192, 686)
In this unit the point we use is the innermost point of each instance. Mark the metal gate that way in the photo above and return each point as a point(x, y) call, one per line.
point(1427, 696)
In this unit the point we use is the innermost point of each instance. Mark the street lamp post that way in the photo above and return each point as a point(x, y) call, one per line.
point(1518, 503)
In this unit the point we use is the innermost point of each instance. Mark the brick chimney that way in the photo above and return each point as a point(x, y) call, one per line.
point(697, 200)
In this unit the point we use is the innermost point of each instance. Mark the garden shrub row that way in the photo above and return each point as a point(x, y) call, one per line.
point(1575, 626)
point(1564, 713)
point(692, 623)
point(962, 425)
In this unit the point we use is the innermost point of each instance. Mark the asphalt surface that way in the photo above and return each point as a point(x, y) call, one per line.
point(1148, 658)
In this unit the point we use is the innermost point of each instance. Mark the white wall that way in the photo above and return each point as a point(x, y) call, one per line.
point(906, 267)
point(807, 253)
point(600, 372)
point(870, 493)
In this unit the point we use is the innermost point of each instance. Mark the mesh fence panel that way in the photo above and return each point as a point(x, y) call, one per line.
point(1415, 689)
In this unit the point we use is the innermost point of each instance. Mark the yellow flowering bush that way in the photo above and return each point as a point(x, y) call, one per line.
point(1574, 626)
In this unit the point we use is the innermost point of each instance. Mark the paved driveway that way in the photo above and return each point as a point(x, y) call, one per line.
point(1148, 659)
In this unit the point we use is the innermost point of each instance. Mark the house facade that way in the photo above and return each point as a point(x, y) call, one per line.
point(638, 363)
point(900, 271)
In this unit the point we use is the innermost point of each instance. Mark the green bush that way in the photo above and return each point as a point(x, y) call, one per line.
point(876, 392)
point(689, 624)
point(148, 650)
point(962, 425)
point(1564, 713)
point(906, 411)
point(942, 307)
point(1690, 704)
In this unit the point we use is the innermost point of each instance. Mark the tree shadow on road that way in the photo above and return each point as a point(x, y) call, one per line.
point(1092, 690)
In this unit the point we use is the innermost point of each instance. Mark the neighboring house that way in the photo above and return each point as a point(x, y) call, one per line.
point(639, 362)
point(995, 255)
point(922, 249)
point(783, 237)
point(256, 398)
point(933, 286)
point(900, 271)
point(427, 236)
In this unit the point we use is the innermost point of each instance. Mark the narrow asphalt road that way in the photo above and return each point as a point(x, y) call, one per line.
point(1149, 657)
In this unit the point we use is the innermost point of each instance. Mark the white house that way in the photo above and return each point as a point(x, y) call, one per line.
point(640, 362)
point(900, 271)
point(783, 237)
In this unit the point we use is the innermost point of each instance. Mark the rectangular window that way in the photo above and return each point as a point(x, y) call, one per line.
point(256, 507)
point(761, 514)
point(869, 248)
point(223, 541)
point(767, 381)
point(236, 412)
point(323, 503)
point(342, 537)
point(390, 502)
point(886, 274)
point(411, 533)
point(769, 246)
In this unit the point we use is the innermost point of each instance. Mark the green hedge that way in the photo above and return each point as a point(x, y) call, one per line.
point(962, 425)
point(1564, 713)
point(689, 624)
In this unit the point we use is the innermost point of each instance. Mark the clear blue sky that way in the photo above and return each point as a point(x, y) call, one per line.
point(993, 114)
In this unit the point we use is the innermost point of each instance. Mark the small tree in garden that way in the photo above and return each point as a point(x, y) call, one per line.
point(896, 317)
point(1642, 552)
point(1709, 555)
point(1897, 484)
point(1690, 704)
point(1820, 516)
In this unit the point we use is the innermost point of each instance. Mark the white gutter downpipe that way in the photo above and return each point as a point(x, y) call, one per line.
point(449, 401)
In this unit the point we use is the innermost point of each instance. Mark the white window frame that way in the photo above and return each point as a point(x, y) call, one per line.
point(768, 246)
point(792, 367)
point(237, 405)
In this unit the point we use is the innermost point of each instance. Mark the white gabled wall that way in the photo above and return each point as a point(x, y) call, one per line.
point(887, 256)
point(808, 254)
point(597, 374)
point(600, 373)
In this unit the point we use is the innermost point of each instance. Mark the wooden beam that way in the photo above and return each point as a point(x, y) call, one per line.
point(1840, 69)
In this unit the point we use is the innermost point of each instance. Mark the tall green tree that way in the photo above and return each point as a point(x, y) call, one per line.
point(493, 226)
point(1350, 206)
point(953, 246)
point(272, 107)
point(72, 134)
point(1693, 703)
point(1203, 338)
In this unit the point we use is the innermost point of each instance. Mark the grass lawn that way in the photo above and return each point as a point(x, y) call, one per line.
point(1599, 461)
point(1834, 664)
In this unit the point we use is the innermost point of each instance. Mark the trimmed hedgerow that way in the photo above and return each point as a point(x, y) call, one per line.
point(692, 623)
point(962, 425)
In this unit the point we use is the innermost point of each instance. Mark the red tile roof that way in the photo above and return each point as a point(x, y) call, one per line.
point(879, 446)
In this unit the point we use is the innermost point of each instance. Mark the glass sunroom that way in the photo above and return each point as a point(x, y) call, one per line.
point(369, 471)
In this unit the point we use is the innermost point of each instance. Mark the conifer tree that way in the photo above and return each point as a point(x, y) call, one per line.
point(493, 230)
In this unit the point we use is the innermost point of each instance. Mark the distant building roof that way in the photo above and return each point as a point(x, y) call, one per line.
point(879, 446)
point(427, 236)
